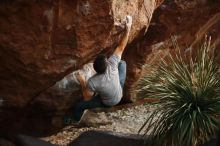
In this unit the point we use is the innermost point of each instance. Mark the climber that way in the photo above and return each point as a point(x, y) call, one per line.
point(104, 89)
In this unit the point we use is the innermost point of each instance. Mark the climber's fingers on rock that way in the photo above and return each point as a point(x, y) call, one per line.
point(128, 21)
point(80, 76)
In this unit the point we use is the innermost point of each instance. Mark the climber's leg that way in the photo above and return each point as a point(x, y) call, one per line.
point(93, 103)
point(122, 72)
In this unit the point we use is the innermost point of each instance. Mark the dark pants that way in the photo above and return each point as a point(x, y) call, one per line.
point(96, 100)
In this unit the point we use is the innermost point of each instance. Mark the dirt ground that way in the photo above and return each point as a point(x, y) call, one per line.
point(125, 121)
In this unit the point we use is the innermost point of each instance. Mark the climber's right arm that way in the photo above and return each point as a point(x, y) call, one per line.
point(120, 49)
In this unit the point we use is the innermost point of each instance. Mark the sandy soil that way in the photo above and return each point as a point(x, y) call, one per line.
point(126, 121)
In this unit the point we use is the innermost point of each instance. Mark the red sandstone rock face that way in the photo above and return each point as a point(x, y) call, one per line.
point(42, 41)
point(187, 21)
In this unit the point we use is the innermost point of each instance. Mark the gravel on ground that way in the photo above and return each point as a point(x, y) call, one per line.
point(127, 121)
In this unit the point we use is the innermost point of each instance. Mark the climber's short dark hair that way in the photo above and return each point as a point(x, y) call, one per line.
point(100, 64)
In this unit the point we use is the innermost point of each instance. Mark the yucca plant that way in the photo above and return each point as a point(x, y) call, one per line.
point(188, 112)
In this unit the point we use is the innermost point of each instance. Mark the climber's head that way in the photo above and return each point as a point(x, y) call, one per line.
point(100, 64)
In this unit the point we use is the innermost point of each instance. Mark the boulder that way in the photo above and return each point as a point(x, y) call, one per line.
point(4, 142)
point(23, 140)
point(182, 21)
point(105, 138)
point(43, 41)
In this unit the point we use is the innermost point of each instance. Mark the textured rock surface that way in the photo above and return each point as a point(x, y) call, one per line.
point(185, 21)
point(127, 120)
point(42, 41)
point(97, 138)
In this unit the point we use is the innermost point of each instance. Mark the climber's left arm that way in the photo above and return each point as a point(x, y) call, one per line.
point(87, 94)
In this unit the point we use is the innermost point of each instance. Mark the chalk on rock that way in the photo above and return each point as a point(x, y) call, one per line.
point(70, 83)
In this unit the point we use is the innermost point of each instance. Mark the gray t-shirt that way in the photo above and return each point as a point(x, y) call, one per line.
point(107, 85)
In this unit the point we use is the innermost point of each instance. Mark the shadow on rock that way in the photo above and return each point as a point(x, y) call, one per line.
point(97, 138)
